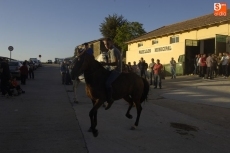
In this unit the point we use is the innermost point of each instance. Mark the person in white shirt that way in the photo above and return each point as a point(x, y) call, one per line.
point(198, 64)
point(135, 68)
point(173, 68)
point(225, 62)
point(151, 72)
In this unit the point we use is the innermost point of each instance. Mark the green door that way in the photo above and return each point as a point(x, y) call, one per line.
point(179, 67)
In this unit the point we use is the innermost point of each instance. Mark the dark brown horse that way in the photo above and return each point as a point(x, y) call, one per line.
point(129, 86)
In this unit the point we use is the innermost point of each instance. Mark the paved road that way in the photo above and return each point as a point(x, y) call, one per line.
point(172, 121)
point(42, 120)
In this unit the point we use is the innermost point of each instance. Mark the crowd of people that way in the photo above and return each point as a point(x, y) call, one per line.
point(211, 66)
point(65, 73)
point(207, 67)
point(154, 72)
point(9, 85)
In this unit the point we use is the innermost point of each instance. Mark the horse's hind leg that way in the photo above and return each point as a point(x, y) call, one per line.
point(130, 101)
point(139, 109)
point(93, 117)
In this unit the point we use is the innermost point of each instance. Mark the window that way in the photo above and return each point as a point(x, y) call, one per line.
point(140, 44)
point(174, 39)
point(154, 41)
point(191, 42)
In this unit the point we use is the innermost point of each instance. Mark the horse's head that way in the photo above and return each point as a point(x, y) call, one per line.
point(81, 64)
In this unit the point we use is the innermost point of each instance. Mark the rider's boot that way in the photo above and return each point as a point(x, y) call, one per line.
point(110, 99)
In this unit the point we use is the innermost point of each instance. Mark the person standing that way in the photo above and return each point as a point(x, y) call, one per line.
point(151, 72)
point(129, 66)
point(225, 62)
point(157, 74)
point(24, 73)
point(173, 68)
point(203, 65)
point(68, 80)
point(114, 62)
point(209, 63)
point(31, 70)
point(142, 67)
point(199, 64)
point(139, 67)
point(63, 72)
point(195, 65)
point(145, 69)
point(214, 66)
point(135, 68)
point(228, 63)
point(220, 71)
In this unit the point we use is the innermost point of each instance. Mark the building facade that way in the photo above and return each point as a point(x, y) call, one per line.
point(97, 46)
point(201, 35)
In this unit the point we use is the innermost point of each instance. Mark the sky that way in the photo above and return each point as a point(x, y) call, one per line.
point(53, 28)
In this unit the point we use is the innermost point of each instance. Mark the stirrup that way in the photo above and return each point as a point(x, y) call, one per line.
point(109, 104)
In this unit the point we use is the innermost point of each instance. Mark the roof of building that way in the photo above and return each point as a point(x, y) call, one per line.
point(90, 42)
point(188, 25)
point(96, 40)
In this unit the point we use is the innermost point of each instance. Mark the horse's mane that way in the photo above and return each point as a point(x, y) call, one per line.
point(99, 64)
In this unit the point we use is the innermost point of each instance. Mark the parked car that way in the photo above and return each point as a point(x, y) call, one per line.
point(35, 60)
point(36, 64)
point(32, 64)
point(14, 68)
point(60, 61)
point(49, 62)
point(39, 63)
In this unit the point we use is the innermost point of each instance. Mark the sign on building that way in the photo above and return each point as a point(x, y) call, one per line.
point(156, 49)
point(164, 48)
point(144, 51)
point(221, 38)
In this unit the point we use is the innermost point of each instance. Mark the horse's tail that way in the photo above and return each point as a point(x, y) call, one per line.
point(144, 95)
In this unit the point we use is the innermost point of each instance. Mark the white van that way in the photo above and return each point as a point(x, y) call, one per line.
point(35, 60)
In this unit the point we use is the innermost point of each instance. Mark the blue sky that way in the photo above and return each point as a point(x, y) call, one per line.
point(53, 28)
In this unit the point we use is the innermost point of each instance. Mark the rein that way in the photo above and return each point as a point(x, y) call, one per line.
point(90, 73)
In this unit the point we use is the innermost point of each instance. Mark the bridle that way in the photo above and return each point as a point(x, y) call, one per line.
point(81, 67)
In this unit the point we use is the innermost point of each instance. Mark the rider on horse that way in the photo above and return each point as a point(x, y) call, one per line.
point(114, 63)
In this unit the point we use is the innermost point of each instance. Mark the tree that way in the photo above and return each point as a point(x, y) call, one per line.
point(111, 23)
point(126, 32)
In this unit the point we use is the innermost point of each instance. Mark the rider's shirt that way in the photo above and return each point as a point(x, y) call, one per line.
point(105, 59)
point(113, 55)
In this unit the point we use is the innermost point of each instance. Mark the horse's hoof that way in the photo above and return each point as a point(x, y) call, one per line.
point(90, 130)
point(95, 133)
point(104, 105)
point(133, 128)
point(129, 116)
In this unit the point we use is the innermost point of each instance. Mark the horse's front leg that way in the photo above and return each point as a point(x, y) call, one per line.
point(130, 101)
point(139, 109)
point(93, 117)
point(75, 85)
